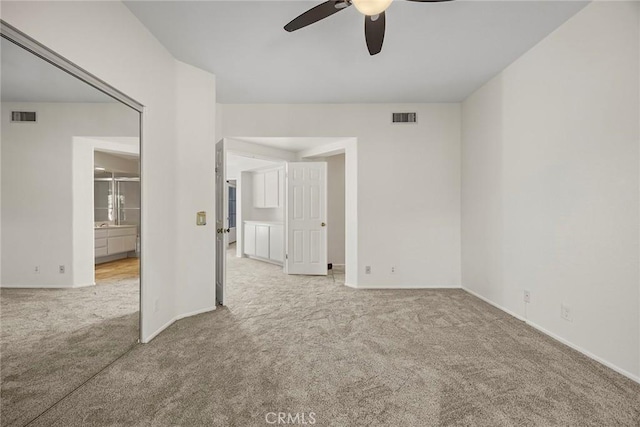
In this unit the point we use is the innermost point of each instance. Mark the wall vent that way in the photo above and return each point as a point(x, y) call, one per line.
point(23, 116)
point(404, 117)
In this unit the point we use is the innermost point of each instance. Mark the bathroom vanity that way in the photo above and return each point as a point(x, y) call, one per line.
point(114, 240)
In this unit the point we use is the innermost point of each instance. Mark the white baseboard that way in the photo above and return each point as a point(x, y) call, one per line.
point(559, 339)
point(499, 307)
point(84, 285)
point(23, 286)
point(157, 332)
point(390, 288)
point(196, 312)
point(586, 353)
point(175, 319)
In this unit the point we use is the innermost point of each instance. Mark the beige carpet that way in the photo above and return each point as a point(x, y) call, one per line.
point(53, 340)
point(353, 358)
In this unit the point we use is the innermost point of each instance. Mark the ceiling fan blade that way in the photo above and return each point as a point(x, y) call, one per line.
point(374, 32)
point(317, 13)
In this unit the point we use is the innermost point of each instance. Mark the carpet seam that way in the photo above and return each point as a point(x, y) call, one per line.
point(81, 385)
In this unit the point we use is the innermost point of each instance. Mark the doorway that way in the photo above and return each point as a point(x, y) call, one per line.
point(117, 220)
point(255, 218)
point(342, 186)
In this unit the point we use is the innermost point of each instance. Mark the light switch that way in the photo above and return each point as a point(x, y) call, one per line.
point(201, 218)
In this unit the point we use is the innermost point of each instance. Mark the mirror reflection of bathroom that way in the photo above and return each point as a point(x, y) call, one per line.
point(70, 227)
point(116, 201)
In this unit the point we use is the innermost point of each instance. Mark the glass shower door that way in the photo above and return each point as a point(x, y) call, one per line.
point(128, 201)
point(103, 200)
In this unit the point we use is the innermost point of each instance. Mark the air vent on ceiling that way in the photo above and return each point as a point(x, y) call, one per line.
point(404, 117)
point(23, 116)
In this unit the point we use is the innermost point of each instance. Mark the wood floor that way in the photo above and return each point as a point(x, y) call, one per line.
point(128, 268)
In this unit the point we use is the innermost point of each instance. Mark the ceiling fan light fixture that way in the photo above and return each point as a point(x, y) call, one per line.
point(371, 7)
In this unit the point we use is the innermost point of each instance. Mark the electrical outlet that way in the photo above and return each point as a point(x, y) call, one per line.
point(527, 296)
point(61, 269)
point(367, 269)
point(393, 270)
point(36, 269)
point(565, 313)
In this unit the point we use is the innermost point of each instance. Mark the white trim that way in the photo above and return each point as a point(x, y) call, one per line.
point(585, 352)
point(488, 301)
point(157, 332)
point(401, 287)
point(175, 319)
point(28, 286)
point(84, 285)
point(560, 339)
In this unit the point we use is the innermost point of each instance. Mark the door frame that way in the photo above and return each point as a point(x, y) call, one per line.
point(239, 217)
point(349, 147)
point(28, 43)
point(221, 223)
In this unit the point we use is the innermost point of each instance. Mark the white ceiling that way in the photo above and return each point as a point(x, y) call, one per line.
point(236, 164)
point(433, 52)
point(27, 78)
point(292, 144)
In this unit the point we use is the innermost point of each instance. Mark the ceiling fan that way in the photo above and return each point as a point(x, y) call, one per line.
point(374, 20)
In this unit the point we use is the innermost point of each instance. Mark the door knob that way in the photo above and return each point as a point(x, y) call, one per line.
point(228, 230)
point(323, 224)
point(219, 230)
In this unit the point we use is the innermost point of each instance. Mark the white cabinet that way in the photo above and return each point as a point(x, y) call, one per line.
point(267, 188)
point(276, 243)
point(130, 242)
point(249, 239)
point(115, 245)
point(264, 241)
point(114, 240)
point(100, 242)
point(258, 190)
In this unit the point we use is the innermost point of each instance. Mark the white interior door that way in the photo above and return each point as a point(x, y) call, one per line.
point(306, 218)
point(221, 216)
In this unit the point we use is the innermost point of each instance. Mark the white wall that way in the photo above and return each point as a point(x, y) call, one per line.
point(550, 185)
point(110, 37)
point(47, 178)
point(195, 153)
point(336, 209)
point(408, 175)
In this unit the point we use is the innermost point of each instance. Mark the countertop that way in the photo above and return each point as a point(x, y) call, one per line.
point(264, 222)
